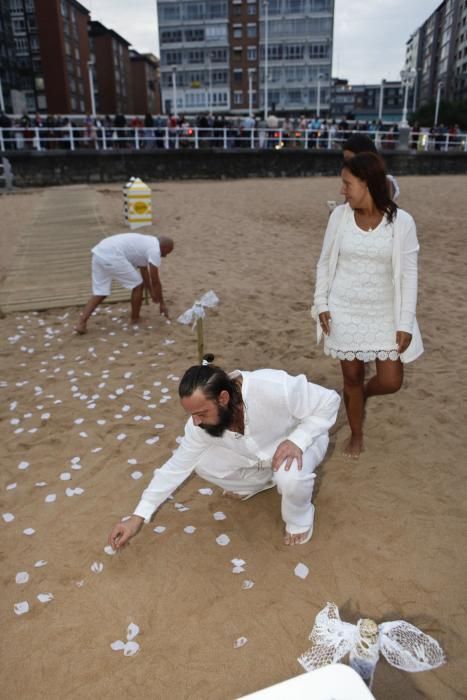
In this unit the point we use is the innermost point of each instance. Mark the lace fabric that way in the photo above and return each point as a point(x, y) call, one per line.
point(363, 355)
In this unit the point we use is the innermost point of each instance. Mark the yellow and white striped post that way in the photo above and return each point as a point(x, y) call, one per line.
point(137, 203)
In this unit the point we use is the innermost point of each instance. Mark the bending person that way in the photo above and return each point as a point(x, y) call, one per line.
point(247, 432)
point(133, 260)
point(366, 289)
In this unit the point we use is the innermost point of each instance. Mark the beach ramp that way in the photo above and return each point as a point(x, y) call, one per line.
point(52, 265)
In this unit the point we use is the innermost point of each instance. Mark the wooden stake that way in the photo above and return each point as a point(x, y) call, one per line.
point(199, 334)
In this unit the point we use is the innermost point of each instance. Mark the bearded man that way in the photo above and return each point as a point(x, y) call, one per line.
point(247, 432)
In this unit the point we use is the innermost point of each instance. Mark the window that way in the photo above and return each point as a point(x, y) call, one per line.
point(293, 96)
point(238, 97)
point(216, 32)
point(194, 35)
point(294, 6)
point(251, 9)
point(319, 50)
point(169, 12)
point(252, 53)
point(171, 58)
point(194, 10)
point(237, 10)
point(251, 31)
point(237, 53)
point(219, 56)
point(219, 77)
point(294, 52)
point(237, 31)
point(196, 57)
point(217, 10)
point(238, 75)
point(171, 36)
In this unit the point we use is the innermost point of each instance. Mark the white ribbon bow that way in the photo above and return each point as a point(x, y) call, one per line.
point(403, 645)
point(207, 301)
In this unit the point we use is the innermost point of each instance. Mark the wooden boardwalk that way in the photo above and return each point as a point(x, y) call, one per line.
point(52, 265)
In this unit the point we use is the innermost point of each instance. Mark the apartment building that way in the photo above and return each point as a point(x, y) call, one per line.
point(52, 52)
point(437, 51)
point(217, 54)
point(362, 102)
point(9, 69)
point(111, 68)
point(144, 81)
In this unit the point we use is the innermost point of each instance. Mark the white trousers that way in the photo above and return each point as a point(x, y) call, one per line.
point(244, 477)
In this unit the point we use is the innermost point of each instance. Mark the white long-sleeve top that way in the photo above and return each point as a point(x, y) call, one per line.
point(277, 407)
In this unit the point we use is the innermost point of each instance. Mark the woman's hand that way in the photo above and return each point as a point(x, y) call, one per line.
point(403, 340)
point(325, 321)
point(123, 532)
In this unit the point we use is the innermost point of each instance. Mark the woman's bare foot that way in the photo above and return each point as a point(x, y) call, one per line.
point(298, 538)
point(80, 328)
point(353, 447)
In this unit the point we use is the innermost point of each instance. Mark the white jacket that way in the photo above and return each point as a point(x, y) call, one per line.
point(277, 407)
point(404, 273)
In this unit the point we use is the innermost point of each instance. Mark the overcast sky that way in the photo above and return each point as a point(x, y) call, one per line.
point(369, 35)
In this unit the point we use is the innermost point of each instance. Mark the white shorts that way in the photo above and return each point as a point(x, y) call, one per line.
point(119, 269)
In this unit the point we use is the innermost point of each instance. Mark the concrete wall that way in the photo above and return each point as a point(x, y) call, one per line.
point(39, 169)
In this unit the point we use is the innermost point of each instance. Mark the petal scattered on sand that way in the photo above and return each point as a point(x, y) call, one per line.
point(238, 570)
point(39, 563)
point(159, 426)
point(118, 645)
point(219, 515)
point(21, 608)
point(45, 597)
point(131, 648)
point(41, 483)
point(240, 642)
point(109, 550)
point(121, 436)
point(247, 584)
point(97, 567)
point(152, 441)
point(132, 461)
point(223, 540)
point(50, 498)
point(22, 577)
point(301, 570)
point(29, 531)
point(206, 492)
point(238, 562)
point(189, 529)
point(23, 465)
point(8, 517)
point(159, 529)
point(136, 475)
point(11, 486)
point(65, 476)
point(132, 631)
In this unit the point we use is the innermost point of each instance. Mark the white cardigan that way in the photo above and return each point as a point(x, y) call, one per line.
point(404, 273)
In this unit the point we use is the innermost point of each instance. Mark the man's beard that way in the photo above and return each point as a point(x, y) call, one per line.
point(225, 417)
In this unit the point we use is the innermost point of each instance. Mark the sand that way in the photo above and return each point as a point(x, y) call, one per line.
point(389, 528)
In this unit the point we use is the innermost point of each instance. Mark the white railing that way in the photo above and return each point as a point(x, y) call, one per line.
point(230, 137)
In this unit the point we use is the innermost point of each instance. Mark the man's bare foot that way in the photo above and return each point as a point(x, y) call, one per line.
point(80, 328)
point(353, 447)
point(232, 494)
point(298, 538)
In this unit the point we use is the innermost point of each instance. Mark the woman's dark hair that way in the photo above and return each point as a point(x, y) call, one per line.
point(359, 143)
point(370, 168)
point(211, 380)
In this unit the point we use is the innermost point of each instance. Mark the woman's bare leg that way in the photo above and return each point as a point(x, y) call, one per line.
point(387, 380)
point(353, 372)
point(92, 304)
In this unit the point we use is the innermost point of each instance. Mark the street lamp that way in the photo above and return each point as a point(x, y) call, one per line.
point(174, 90)
point(266, 57)
point(318, 99)
point(438, 98)
point(91, 87)
point(210, 84)
point(250, 91)
point(381, 97)
point(407, 78)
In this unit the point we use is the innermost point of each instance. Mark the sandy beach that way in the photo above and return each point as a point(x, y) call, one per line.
point(85, 420)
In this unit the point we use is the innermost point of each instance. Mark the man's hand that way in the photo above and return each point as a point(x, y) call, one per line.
point(287, 451)
point(403, 340)
point(163, 309)
point(123, 532)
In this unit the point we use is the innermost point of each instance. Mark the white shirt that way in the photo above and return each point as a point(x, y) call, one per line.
point(138, 249)
point(277, 407)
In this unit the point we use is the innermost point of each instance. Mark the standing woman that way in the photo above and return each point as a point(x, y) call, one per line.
point(366, 289)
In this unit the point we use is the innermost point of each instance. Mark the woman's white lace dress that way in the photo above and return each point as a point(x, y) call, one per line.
point(361, 301)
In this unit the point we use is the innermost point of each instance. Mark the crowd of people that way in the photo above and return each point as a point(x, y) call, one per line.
point(216, 131)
